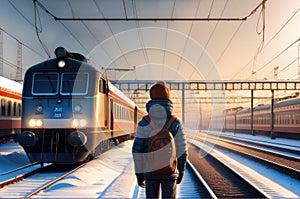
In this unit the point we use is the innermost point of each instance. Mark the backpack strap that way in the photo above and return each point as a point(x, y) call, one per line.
point(170, 122)
point(148, 119)
point(167, 125)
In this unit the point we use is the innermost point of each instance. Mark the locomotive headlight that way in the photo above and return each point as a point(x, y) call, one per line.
point(79, 123)
point(39, 108)
point(61, 63)
point(34, 123)
point(77, 108)
point(82, 122)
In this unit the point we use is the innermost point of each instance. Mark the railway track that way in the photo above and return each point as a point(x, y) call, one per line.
point(192, 186)
point(31, 183)
point(251, 167)
point(283, 163)
point(15, 175)
point(280, 149)
point(221, 178)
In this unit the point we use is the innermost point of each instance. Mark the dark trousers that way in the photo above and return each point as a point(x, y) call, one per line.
point(168, 188)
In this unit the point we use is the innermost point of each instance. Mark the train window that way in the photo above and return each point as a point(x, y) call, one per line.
point(45, 84)
point(9, 108)
point(3, 107)
point(280, 119)
point(297, 118)
point(102, 86)
point(114, 109)
point(118, 112)
point(74, 83)
point(19, 110)
point(292, 119)
point(15, 109)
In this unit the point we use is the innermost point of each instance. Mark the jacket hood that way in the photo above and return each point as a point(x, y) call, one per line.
point(159, 110)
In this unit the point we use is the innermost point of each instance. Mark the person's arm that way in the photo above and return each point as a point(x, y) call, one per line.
point(181, 152)
point(138, 150)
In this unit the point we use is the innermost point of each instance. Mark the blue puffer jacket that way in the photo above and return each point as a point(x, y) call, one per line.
point(159, 112)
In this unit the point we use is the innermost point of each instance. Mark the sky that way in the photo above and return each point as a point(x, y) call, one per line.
point(237, 49)
point(208, 50)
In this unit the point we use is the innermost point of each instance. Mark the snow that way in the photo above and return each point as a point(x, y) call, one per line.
point(109, 176)
point(112, 174)
point(12, 156)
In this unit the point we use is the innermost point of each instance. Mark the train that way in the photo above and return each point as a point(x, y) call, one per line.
point(10, 109)
point(71, 112)
point(286, 119)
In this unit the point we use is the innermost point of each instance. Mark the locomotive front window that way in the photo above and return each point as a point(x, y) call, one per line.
point(45, 84)
point(74, 83)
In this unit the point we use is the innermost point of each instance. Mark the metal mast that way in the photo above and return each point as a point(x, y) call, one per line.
point(1, 53)
point(19, 62)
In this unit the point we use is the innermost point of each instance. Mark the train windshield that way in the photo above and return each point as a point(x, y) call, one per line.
point(45, 84)
point(68, 83)
point(74, 83)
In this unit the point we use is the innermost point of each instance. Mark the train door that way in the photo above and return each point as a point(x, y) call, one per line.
point(104, 113)
point(112, 111)
point(135, 121)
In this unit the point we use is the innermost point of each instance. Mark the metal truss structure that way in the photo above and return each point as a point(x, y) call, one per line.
point(138, 89)
point(203, 85)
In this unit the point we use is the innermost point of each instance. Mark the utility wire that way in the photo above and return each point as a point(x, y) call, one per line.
point(137, 23)
point(278, 55)
point(211, 7)
point(37, 15)
point(18, 11)
point(115, 39)
point(274, 36)
point(229, 42)
point(27, 46)
point(189, 33)
point(124, 7)
point(5, 61)
point(167, 30)
point(166, 36)
point(286, 67)
point(210, 37)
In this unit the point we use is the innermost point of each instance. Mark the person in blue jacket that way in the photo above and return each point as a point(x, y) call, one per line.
point(159, 109)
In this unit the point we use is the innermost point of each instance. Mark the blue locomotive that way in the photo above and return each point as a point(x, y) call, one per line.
point(70, 111)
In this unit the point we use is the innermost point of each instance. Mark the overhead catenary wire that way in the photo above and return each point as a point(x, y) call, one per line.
point(284, 68)
point(113, 36)
point(135, 13)
point(229, 42)
point(167, 31)
point(23, 44)
point(278, 55)
point(273, 37)
point(188, 35)
point(36, 18)
point(166, 36)
point(154, 19)
point(147, 18)
point(22, 15)
point(124, 8)
point(261, 17)
point(5, 61)
point(11, 65)
point(211, 7)
point(209, 39)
